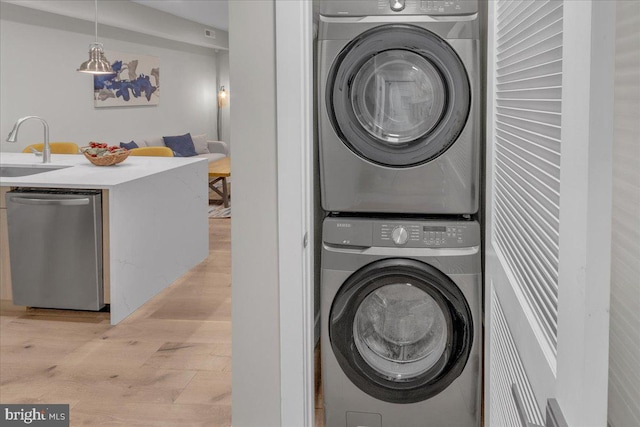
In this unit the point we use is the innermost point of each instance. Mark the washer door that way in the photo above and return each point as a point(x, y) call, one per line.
point(398, 95)
point(401, 330)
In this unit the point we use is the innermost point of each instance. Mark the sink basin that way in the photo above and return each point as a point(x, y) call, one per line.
point(17, 171)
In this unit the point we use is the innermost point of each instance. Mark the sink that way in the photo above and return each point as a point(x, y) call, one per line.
point(17, 171)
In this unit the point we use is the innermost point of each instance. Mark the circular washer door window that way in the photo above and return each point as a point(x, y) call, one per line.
point(401, 330)
point(398, 95)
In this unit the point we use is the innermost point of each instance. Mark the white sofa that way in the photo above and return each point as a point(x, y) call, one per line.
point(217, 150)
point(209, 149)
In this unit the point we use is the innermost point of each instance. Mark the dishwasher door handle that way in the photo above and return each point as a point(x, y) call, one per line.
point(54, 202)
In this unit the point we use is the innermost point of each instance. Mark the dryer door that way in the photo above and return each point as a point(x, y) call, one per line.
point(398, 95)
point(401, 330)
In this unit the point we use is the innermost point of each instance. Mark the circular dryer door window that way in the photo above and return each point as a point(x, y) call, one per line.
point(401, 330)
point(398, 95)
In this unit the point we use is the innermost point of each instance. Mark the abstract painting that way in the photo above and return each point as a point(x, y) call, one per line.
point(135, 81)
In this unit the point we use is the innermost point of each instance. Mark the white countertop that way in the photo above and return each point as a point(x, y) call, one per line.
point(84, 174)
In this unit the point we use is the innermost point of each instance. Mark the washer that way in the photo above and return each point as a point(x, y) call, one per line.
point(398, 106)
point(401, 322)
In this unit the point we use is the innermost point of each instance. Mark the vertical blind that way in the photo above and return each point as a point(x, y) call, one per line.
point(527, 122)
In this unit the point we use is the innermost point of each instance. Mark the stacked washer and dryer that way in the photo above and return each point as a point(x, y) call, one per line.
point(399, 143)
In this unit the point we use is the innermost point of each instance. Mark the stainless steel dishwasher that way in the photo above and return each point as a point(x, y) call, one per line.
point(55, 248)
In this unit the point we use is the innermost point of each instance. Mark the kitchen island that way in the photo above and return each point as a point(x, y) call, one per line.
point(155, 225)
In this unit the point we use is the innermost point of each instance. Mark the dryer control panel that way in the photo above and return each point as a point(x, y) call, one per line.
point(397, 7)
point(409, 233)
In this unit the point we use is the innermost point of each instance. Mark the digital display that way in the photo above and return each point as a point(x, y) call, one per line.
point(433, 228)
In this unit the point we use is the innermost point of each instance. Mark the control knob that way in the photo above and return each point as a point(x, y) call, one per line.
point(396, 5)
point(399, 235)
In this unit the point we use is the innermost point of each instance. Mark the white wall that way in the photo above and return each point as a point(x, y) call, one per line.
point(224, 123)
point(254, 229)
point(624, 351)
point(39, 55)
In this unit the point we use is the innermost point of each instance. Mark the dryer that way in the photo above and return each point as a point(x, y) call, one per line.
point(398, 106)
point(401, 322)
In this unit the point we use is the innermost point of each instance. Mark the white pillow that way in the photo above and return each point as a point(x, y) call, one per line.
point(155, 142)
point(200, 143)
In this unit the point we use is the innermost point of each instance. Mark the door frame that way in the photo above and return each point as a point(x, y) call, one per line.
point(294, 93)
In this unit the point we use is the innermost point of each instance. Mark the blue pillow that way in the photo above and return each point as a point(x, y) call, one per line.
point(129, 145)
point(181, 144)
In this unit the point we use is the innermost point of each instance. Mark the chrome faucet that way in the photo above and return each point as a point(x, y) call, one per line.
point(46, 151)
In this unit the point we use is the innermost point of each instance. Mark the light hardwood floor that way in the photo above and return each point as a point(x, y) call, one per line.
point(168, 364)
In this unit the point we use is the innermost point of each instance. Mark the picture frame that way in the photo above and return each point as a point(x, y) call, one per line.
point(135, 81)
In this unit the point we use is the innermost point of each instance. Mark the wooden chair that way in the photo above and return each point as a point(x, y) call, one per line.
point(151, 151)
point(56, 148)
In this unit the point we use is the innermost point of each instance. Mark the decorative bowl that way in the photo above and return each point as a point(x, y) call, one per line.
point(107, 159)
point(100, 154)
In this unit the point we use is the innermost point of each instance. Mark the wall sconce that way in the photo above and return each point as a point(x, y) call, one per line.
point(97, 63)
point(223, 97)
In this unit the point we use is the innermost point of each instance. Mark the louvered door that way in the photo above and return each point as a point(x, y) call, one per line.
point(624, 355)
point(549, 124)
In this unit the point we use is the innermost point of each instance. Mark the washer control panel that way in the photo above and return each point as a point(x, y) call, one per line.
point(427, 7)
point(411, 233)
point(397, 7)
point(424, 234)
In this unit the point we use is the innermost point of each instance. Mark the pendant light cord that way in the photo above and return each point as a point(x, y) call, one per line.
point(96, 21)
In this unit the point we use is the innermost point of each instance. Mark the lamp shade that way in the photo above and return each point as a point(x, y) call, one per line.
point(223, 97)
point(97, 63)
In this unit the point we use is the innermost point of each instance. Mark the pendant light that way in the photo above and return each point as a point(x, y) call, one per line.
point(97, 63)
